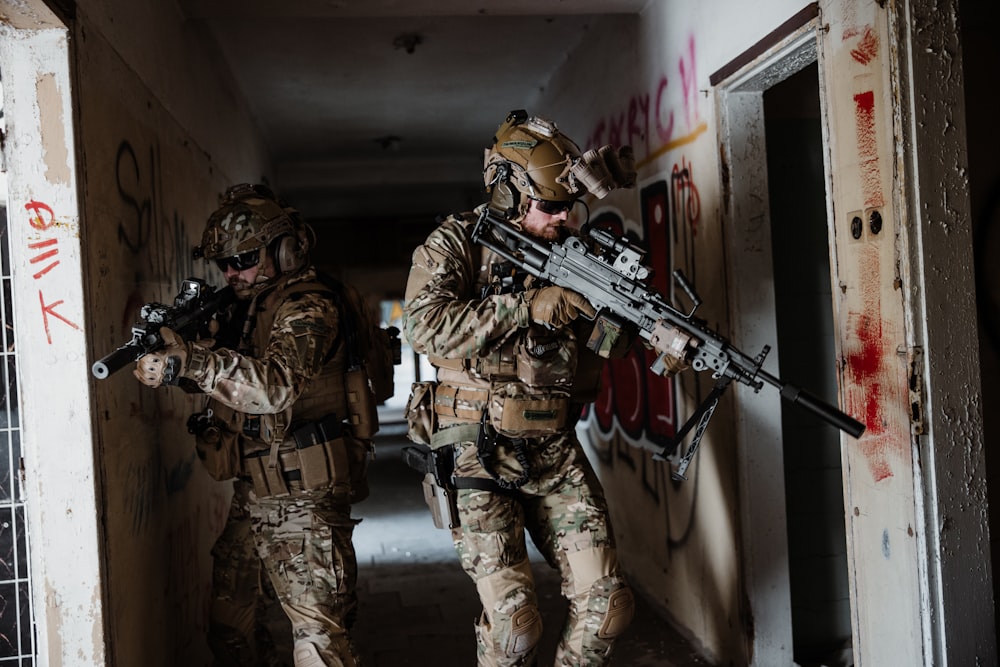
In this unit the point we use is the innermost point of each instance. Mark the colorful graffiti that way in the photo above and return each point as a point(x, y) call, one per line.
point(640, 404)
point(648, 121)
point(42, 218)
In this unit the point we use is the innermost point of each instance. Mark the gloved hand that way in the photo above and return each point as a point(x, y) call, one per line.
point(556, 307)
point(164, 366)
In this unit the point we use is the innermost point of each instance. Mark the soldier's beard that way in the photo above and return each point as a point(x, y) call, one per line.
point(245, 290)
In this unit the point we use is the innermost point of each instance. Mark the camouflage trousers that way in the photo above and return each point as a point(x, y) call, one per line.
point(562, 508)
point(302, 543)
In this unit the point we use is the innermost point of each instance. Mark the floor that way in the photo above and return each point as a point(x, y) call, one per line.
point(417, 606)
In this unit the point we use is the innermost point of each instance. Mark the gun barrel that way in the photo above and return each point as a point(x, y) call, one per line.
point(817, 406)
point(115, 361)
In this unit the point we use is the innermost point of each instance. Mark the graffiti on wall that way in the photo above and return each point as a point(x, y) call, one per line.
point(42, 218)
point(149, 227)
point(636, 408)
point(659, 119)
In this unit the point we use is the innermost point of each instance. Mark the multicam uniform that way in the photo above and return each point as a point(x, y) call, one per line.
point(489, 355)
point(284, 516)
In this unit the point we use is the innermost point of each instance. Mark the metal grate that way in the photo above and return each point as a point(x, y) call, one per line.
point(17, 620)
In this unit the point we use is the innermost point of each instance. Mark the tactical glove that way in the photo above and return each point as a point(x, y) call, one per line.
point(555, 307)
point(164, 366)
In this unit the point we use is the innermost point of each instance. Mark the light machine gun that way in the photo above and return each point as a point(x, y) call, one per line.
point(613, 280)
point(194, 306)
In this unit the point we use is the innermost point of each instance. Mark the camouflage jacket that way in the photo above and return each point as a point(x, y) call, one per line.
point(483, 340)
point(286, 374)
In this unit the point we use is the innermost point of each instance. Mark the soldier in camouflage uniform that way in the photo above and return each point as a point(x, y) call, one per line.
point(513, 374)
point(278, 421)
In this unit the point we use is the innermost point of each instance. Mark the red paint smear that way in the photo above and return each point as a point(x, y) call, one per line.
point(867, 48)
point(872, 392)
point(871, 178)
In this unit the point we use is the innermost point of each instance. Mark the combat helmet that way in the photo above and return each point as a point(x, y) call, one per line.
point(532, 157)
point(251, 219)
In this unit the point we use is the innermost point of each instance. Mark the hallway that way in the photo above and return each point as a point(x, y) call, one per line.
point(418, 606)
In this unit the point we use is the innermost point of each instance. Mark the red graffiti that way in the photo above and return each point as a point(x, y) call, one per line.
point(871, 176)
point(647, 127)
point(867, 48)
point(37, 221)
point(687, 201)
point(49, 309)
point(44, 256)
point(872, 392)
point(42, 222)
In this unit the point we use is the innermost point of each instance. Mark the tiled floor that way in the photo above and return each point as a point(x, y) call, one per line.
point(417, 605)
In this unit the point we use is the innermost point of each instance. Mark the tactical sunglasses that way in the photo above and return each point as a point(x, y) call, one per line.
point(553, 207)
point(240, 262)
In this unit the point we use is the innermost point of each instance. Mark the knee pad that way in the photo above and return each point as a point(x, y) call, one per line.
point(525, 631)
point(612, 600)
point(509, 636)
point(305, 654)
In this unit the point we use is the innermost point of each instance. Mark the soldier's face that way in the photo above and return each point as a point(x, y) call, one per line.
point(543, 225)
point(242, 281)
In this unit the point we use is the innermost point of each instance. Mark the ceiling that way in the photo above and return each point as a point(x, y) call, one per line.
point(382, 108)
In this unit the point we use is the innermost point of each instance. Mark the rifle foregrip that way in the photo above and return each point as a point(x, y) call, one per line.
point(823, 410)
point(114, 362)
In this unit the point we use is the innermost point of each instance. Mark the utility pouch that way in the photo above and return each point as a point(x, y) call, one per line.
point(420, 417)
point(546, 358)
point(268, 482)
point(322, 451)
point(519, 411)
point(217, 447)
point(362, 411)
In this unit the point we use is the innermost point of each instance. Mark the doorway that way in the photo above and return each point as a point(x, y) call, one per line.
point(776, 222)
point(817, 540)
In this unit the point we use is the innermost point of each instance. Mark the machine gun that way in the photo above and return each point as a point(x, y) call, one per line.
point(613, 279)
point(194, 306)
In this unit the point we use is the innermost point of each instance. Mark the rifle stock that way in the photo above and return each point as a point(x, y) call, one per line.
point(194, 306)
point(613, 279)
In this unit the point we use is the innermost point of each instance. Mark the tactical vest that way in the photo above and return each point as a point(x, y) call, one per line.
point(272, 447)
point(533, 382)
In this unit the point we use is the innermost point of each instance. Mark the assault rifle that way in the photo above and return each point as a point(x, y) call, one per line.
point(613, 279)
point(194, 306)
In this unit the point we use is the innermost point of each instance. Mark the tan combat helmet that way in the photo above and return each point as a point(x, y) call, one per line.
point(532, 157)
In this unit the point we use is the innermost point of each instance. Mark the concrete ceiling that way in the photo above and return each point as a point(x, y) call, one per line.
point(382, 108)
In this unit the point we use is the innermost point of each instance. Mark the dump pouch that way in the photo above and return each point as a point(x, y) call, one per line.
point(519, 411)
point(420, 417)
point(362, 411)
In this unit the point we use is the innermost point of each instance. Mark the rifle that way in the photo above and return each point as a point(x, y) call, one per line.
point(194, 306)
point(613, 279)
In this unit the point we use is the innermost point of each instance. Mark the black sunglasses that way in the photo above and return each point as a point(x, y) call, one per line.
point(240, 262)
point(553, 207)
